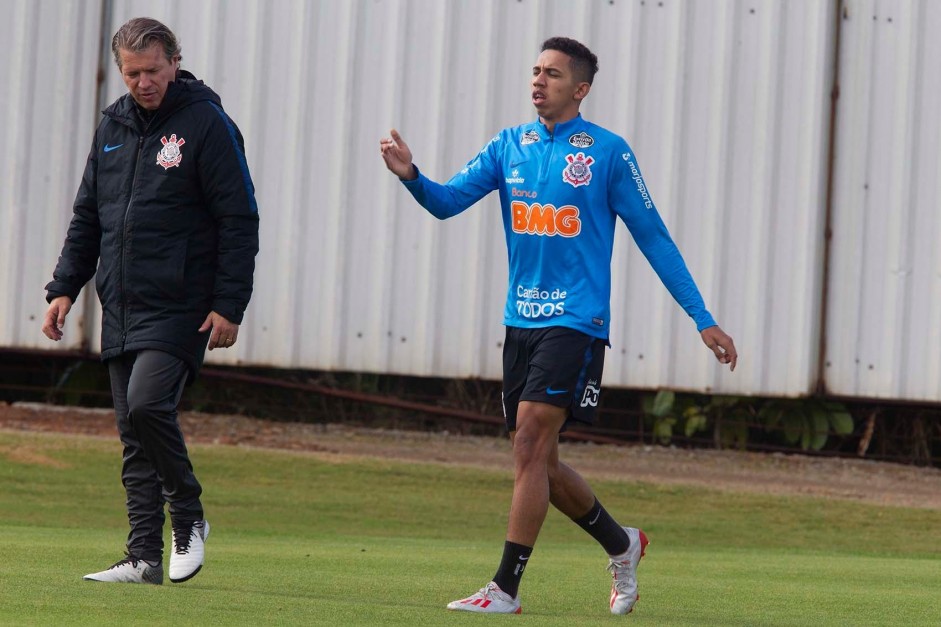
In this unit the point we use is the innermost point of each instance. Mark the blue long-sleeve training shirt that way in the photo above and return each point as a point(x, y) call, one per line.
point(561, 193)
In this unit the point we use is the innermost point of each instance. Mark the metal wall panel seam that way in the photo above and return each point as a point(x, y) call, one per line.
point(822, 356)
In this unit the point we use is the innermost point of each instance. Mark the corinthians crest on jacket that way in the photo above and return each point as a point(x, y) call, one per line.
point(170, 155)
point(578, 170)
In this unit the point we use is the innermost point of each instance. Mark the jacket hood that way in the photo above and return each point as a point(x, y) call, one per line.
point(182, 92)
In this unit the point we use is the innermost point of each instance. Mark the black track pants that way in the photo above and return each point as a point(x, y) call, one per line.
point(146, 387)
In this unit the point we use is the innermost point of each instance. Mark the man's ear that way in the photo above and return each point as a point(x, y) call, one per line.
point(582, 90)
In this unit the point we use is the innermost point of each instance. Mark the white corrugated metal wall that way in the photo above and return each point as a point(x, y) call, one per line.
point(725, 102)
point(884, 315)
point(47, 118)
point(717, 99)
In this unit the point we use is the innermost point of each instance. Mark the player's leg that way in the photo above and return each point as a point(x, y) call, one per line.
point(156, 385)
point(536, 437)
point(568, 491)
point(492, 598)
point(144, 493)
point(571, 494)
point(541, 370)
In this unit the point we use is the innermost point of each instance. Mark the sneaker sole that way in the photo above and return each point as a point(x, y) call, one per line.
point(519, 610)
point(189, 576)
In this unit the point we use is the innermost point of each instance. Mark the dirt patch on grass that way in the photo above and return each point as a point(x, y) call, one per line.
point(25, 455)
point(849, 479)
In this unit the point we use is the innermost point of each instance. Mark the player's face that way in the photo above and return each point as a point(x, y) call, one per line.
point(147, 74)
point(556, 92)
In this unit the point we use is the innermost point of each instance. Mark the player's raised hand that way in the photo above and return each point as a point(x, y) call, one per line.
point(398, 157)
point(720, 344)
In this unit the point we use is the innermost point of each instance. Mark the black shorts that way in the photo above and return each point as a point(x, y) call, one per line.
point(555, 365)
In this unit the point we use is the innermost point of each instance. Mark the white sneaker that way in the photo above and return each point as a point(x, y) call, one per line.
point(189, 549)
point(130, 570)
point(490, 599)
point(624, 571)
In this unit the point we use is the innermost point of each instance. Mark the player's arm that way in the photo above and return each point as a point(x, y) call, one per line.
point(230, 196)
point(632, 202)
point(79, 257)
point(475, 181)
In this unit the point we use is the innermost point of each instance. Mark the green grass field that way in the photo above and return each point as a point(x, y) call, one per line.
point(297, 540)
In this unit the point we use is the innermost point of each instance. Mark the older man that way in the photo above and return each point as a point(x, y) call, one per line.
point(166, 215)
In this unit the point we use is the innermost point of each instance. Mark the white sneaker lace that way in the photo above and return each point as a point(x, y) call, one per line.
point(616, 568)
point(132, 560)
point(487, 592)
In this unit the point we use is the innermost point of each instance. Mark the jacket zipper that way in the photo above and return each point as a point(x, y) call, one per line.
point(127, 210)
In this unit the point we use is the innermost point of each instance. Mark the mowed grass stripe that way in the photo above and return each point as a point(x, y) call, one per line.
point(299, 539)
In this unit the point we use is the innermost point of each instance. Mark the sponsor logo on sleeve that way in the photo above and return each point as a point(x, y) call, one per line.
point(581, 140)
point(578, 170)
point(638, 180)
point(529, 137)
point(170, 155)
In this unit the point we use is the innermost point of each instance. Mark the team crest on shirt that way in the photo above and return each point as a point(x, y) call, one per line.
point(170, 155)
point(578, 170)
point(529, 137)
point(581, 140)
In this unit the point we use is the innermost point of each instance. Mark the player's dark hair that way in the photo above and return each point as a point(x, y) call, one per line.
point(584, 62)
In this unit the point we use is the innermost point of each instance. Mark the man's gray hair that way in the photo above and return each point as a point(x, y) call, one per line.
point(139, 34)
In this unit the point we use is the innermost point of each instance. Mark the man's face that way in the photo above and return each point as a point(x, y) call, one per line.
point(556, 92)
point(147, 74)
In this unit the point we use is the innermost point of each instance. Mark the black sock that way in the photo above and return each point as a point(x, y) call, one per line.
point(515, 558)
point(609, 534)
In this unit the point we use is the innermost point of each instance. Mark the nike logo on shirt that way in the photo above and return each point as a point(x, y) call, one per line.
point(110, 148)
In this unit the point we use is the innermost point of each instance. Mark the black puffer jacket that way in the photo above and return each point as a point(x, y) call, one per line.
point(166, 211)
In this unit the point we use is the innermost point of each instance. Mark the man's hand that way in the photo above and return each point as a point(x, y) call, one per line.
point(55, 317)
point(720, 344)
point(224, 333)
point(397, 156)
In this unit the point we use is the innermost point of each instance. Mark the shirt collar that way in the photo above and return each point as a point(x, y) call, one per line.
point(560, 129)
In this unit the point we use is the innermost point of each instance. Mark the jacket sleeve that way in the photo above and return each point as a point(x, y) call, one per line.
point(478, 178)
point(230, 196)
point(79, 256)
point(631, 200)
